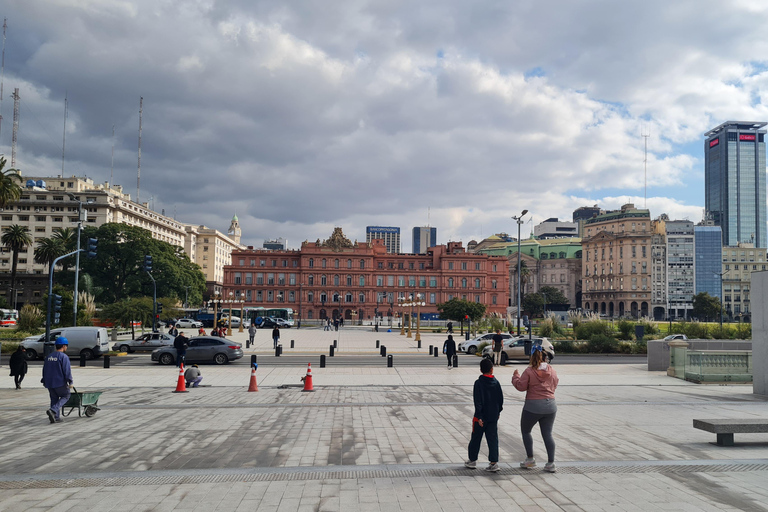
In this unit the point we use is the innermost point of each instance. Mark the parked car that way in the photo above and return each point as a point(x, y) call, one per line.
point(170, 322)
point(90, 341)
point(145, 343)
point(471, 346)
point(269, 323)
point(188, 323)
point(676, 337)
point(202, 349)
point(515, 349)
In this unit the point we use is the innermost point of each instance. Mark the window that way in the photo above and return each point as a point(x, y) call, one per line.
point(310, 280)
point(450, 282)
point(450, 265)
point(433, 282)
point(291, 296)
point(281, 279)
point(310, 297)
point(336, 280)
point(477, 283)
point(323, 263)
point(421, 266)
point(259, 296)
point(643, 251)
point(432, 298)
point(292, 279)
point(311, 264)
point(412, 281)
point(238, 278)
point(379, 281)
point(410, 265)
point(253, 263)
point(493, 268)
point(422, 282)
point(493, 299)
point(477, 298)
point(270, 278)
point(270, 296)
point(285, 263)
point(361, 298)
point(323, 298)
point(477, 266)
point(493, 284)
point(259, 278)
point(362, 281)
point(274, 263)
point(248, 295)
point(323, 280)
point(463, 265)
point(400, 281)
point(349, 279)
point(464, 282)
point(381, 264)
point(248, 278)
point(336, 263)
point(242, 263)
point(362, 263)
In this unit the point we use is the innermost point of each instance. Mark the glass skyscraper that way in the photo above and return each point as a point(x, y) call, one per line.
point(423, 238)
point(734, 181)
point(709, 258)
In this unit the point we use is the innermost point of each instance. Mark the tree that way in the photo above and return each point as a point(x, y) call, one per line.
point(534, 303)
point(16, 238)
point(525, 273)
point(10, 185)
point(47, 250)
point(457, 309)
point(552, 295)
point(68, 239)
point(706, 306)
point(126, 311)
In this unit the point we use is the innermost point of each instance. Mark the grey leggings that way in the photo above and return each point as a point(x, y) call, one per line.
point(546, 422)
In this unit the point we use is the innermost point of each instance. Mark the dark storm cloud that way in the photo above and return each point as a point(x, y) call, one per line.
point(304, 115)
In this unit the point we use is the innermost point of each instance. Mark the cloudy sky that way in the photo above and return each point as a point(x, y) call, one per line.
point(300, 116)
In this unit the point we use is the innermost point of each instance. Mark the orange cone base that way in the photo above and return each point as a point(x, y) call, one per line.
point(253, 385)
point(181, 385)
point(308, 384)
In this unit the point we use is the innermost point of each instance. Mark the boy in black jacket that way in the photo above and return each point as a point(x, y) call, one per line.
point(489, 402)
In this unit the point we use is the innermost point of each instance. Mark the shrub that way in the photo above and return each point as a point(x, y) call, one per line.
point(564, 346)
point(626, 329)
point(602, 344)
point(480, 347)
point(649, 325)
point(30, 318)
point(640, 347)
point(593, 327)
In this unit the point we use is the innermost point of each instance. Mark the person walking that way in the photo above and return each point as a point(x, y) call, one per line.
point(192, 376)
point(57, 378)
point(173, 331)
point(275, 336)
point(18, 364)
point(251, 333)
point(336, 324)
point(498, 344)
point(449, 349)
point(450, 327)
point(539, 381)
point(180, 344)
point(489, 402)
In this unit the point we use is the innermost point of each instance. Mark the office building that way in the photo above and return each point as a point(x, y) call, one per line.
point(212, 250)
point(709, 260)
point(390, 235)
point(738, 264)
point(734, 181)
point(680, 268)
point(423, 238)
point(584, 213)
point(279, 244)
point(659, 303)
point(553, 228)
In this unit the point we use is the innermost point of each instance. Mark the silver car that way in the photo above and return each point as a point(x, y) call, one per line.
point(471, 346)
point(515, 349)
point(146, 343)
point(202, 349)
point(188, 323)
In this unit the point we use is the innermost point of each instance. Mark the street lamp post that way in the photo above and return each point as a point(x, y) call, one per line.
point(419, 303)
point(410, 314)
point(80, 221)
point(722, 297)
point(401, 303)
point(230, 303)
point(519, 220)
point(216, 300)
point(186, 296)
point(242, 313)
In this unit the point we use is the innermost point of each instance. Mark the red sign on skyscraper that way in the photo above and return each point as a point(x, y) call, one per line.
point(746, 137)
point(714, 142)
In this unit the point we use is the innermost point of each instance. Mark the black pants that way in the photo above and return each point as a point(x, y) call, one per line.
point(491, 437)
point(17, 380)
point(546, 422)
point(450, 359)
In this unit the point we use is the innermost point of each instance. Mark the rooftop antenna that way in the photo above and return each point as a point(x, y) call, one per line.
point(2, 71)
point(645, 136)
point(64, 137)
point(112, 167)
point(16, 98)
point(138, 177)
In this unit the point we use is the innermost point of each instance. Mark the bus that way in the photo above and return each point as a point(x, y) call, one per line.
point(251, 313)
point(8, 317)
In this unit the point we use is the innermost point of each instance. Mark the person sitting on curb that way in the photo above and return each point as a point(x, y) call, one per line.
point(192, 376)
point(57, 378)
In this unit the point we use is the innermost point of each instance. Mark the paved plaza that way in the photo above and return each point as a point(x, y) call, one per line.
point(372, 438)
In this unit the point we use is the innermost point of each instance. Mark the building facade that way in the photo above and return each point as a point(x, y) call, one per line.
point(616, 264)
point(213, 251)
point(554, 228)
point(734, 181)
point(358, 281)
point(709, 260)
point(390, 235)
point(659, 302)
point(738, 264)
point(680, 268)
point(423, 238)
point(279, 244)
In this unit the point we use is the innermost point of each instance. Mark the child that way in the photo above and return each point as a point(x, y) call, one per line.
point(489, 402)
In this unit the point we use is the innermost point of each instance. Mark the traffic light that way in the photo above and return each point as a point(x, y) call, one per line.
point(466, 317)
point(148, 263)
point(93, 245)
point(56, 308)
point(159, 308)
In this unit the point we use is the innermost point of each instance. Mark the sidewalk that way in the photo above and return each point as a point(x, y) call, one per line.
point(374, 439)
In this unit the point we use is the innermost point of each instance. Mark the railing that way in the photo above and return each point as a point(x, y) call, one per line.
point(703, 366)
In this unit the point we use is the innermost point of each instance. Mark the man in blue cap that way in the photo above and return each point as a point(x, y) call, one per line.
point(57, 377)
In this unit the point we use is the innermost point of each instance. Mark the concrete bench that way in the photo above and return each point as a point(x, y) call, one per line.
point(726, 428)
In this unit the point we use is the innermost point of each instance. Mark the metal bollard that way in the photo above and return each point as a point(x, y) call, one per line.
point(377, 343)
point(106, 361)
point(253, 359)
point(383, 351)
point(280, 348)
point(277, 351)
point(247, 343)
point(331, 350)
point(436, 351)
point(322, 360)
point(389, 361)
point(291, 343)
point(419, 344)
point(82, 359)
point(455, 361)
point(430, 350)
point(334, 343)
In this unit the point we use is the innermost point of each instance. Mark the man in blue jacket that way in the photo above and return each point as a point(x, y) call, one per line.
point(57, 377)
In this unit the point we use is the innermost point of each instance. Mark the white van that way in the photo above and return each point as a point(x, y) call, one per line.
point(91, 341)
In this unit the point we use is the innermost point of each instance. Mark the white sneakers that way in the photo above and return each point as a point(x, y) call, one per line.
point(530, 462)
point(470, 464)
point(492, 467)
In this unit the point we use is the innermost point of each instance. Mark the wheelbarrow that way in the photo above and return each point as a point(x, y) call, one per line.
point(86, 403)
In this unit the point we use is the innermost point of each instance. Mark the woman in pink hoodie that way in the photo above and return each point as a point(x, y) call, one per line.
point(539, 381)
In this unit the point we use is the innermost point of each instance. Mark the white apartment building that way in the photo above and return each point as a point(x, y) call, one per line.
point(212, 250)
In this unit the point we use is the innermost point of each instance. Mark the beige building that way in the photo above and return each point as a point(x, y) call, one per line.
point(738, 264)
point(212, 250)
point(616, 266)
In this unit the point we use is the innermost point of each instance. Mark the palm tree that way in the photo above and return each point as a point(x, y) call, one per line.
point(16, 238)
point(10, 185)
point(68, 238)
point(47, 250)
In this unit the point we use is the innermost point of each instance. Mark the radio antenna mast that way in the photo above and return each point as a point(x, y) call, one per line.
point(2, 72)
point(138, 178)
point(645, 136)
point(64, 137)
point(16, 98)
point(112, 167)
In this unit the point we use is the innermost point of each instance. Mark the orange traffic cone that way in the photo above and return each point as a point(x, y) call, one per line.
point(253, 386)
point(181, 385)
point(308, 379)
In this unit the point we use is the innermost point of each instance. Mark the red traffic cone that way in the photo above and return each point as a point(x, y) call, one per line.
point(253, 386)
point(308, 379)
point(181, 385)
